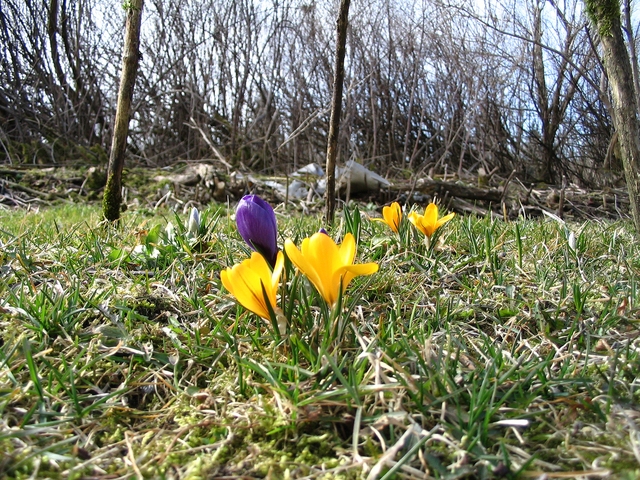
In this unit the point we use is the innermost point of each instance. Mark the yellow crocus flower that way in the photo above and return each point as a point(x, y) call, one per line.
point(328, 265)
point(429, 223)
point(245, 281)
point(391, 215)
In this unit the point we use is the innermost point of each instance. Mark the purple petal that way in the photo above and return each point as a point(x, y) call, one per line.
point(257, 225)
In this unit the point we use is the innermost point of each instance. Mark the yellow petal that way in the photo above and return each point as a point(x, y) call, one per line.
point(392, 215)
point(325, 256)
point(417, 220)
point(429, 223)
point(352, 271)
point(260, 268)
point(326, 265)
point(397, 209)
point(301, 262)
point(245, 281)
point(244, 290)
point(224, 276)
point(360, 269)
point(387, 216)
point(445, 219)
point(347, 251)
point(277, 270)
point(430, 220)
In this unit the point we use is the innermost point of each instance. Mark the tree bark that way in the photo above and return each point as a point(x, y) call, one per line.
point(605, 14)
point(631, 42)
point(112, 199)
point(336, 109)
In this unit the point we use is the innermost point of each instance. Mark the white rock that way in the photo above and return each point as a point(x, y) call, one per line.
point(298, 189)
point(360, 178)
point(311, 169)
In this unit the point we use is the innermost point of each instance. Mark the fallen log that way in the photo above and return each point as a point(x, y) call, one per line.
point(31, 191)
point(451, 189)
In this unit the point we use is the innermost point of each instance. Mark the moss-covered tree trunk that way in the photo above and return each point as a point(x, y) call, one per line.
point(112, 199)
point(336, 109)
point(605, 14)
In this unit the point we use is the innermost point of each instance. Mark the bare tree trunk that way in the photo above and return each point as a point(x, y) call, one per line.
point(605, 14)
point(112, 198)
point(336, 108)
point(628, 30)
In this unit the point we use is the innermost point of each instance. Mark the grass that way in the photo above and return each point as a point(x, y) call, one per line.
point(504, 351)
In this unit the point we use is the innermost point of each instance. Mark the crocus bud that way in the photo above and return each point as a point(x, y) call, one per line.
point(322, 230)
point(572, 241)
point(257, 225)
point(170, 233)
point(193, 226)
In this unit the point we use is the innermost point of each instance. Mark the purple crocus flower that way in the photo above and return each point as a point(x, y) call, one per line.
point(257, 225)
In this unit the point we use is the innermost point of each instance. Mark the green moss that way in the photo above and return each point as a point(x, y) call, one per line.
point(51, 151)
point(112, 199)
point(603, 13)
